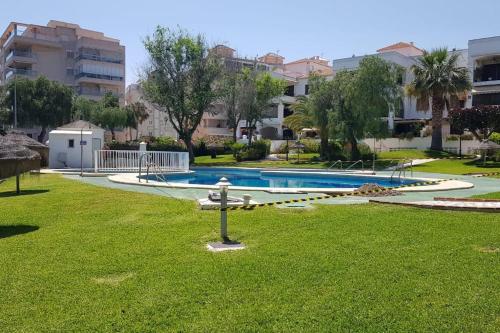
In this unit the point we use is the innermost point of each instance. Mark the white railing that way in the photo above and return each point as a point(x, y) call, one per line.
point(130, 160)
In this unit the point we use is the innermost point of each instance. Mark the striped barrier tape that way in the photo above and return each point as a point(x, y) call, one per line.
point(330, 196)
point(485, 174)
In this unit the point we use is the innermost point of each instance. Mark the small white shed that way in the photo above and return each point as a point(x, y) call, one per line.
point(74, 142)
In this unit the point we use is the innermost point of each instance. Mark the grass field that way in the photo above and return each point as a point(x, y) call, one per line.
point(75, 257)
point(458, 167)
point(413, 154)
point(493, 195)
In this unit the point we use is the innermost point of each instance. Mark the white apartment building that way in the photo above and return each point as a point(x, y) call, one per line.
point(412, 110)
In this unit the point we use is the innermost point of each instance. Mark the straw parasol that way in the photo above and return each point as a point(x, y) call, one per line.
point(487, 146)
point(20, 138)
point(16, 159)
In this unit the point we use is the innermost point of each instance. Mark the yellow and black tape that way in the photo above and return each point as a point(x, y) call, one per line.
point(487, 174)
point(331, 196)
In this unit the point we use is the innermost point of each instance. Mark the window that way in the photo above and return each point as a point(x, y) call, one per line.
point(70, 54)
point(71, 143)
point(289, 91)
point(69, 71)
point(307, 90)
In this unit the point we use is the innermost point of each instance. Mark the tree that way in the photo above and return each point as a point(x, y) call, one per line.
point(85, 109)
point(40, 102)
point(438, 76)
point(180, 77)
point(112, 118)
point(258, 89)
point(231, 90)
point(481, 120)
point(136, 115)
point(314, 110)
point(363, 97)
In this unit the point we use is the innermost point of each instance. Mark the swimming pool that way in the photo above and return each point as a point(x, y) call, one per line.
point(262, 178)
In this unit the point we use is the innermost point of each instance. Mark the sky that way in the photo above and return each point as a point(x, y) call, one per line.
point(295, 29)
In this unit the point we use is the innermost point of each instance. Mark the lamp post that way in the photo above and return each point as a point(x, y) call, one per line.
point(15, 95)
point(223, 186)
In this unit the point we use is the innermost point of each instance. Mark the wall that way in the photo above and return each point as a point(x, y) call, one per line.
point(58, 143)
point(421, 144)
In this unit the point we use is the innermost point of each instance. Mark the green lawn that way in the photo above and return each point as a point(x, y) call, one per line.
point(228, 160)
point(413, 154)
point(75, 257)
point(458, 167)
point(493, 195)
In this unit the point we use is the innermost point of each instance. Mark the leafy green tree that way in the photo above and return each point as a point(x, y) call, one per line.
point(231, 89)
point(40, 102)
point(180, 77)
point(85, 109)
point(314, 110)
point(112, 118)
point(258, 89)
point(362, 97)
point(438, 76)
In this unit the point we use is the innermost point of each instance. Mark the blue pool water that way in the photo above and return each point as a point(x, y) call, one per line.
point(265, 178)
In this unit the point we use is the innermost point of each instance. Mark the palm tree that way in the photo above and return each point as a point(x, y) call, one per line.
point(301, 116)
point(438, 77)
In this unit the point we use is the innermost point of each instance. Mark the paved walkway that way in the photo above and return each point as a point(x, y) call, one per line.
point(483, 206)
point(417, 161)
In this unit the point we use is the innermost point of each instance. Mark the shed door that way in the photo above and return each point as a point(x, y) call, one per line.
point(96, 145)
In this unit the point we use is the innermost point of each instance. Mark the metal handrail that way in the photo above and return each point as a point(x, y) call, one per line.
point(335, 163)
point(357, 162)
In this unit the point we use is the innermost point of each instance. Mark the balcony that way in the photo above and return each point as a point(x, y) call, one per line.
point(488, 74)
point(93, 57)
point(20, 57)
point(31, 35)
point(13, 72)
point(98, 78)
point(95, 92)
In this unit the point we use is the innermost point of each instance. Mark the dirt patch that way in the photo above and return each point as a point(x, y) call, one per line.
point(488, 249)
point(113, 279)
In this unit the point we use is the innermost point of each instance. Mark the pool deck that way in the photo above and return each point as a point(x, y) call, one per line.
point(479, 186)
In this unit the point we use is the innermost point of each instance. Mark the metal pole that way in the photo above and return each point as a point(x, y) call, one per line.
point(81, 152)
point(15, 100)
point(223, 214)
point(374, 148)
point(460, 146)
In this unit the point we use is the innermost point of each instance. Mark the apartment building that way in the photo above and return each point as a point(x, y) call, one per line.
point(296, 74)
point(484, 66)
point(412, 111)
point(88, 61)
point(157, 123)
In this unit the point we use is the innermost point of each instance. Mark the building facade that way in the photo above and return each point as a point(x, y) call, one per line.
point(412, 111)
point(157, 124)
point(88, 61)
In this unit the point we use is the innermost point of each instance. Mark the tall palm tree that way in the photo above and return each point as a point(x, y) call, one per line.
point(438, 76)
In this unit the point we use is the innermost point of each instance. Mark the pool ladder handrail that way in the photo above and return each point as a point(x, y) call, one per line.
point(149, 164)
point(401, 167)
point(357, 162)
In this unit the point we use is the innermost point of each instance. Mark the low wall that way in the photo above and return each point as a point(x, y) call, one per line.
point(468, 146)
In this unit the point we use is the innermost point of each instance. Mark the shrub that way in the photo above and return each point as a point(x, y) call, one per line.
point(166, 143)
point(256, 151)
point(335, 151)
point(200, 148)
point(495, 137)
point(130, 145)
point(310, 146)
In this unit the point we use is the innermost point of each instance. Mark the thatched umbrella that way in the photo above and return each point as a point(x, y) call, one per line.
point(487, 146)
point(16, 159)
point(20, 138)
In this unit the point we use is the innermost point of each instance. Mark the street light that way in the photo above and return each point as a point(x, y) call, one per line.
point(223, 186)
point(15, 95)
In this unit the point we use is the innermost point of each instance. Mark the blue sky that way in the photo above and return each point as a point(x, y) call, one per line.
point(296, 29)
